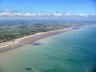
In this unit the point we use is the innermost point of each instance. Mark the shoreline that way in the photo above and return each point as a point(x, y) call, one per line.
point(13, 44)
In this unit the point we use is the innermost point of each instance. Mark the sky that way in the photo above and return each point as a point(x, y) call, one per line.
point(49, 6)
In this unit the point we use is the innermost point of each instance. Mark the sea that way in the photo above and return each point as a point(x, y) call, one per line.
point(73, 51)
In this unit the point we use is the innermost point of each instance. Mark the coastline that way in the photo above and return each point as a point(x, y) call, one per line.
point(13, 44)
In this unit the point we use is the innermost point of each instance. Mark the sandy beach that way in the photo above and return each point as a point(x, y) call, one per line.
point(13, 44)
point(5, 46)
point(9, 49)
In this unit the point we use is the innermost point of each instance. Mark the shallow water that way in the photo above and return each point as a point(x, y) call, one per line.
point(72, 51)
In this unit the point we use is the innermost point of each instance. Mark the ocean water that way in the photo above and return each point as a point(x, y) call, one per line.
point(73, 51)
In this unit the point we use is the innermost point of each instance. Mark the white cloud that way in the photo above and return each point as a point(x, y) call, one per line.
point(8, 13)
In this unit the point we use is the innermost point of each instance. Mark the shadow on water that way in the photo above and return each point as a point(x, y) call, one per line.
point(29, 69)
point(36, 44)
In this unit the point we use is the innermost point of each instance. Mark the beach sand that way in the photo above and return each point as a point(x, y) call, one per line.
point(13, 44)
point(9, 49)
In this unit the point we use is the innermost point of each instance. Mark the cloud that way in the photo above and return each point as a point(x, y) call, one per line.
point(28, 14)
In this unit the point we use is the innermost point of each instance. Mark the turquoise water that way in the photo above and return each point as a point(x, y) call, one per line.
point(73, 51)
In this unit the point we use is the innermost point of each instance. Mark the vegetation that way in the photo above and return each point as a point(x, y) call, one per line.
point(15, 31)
point(12, 29)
